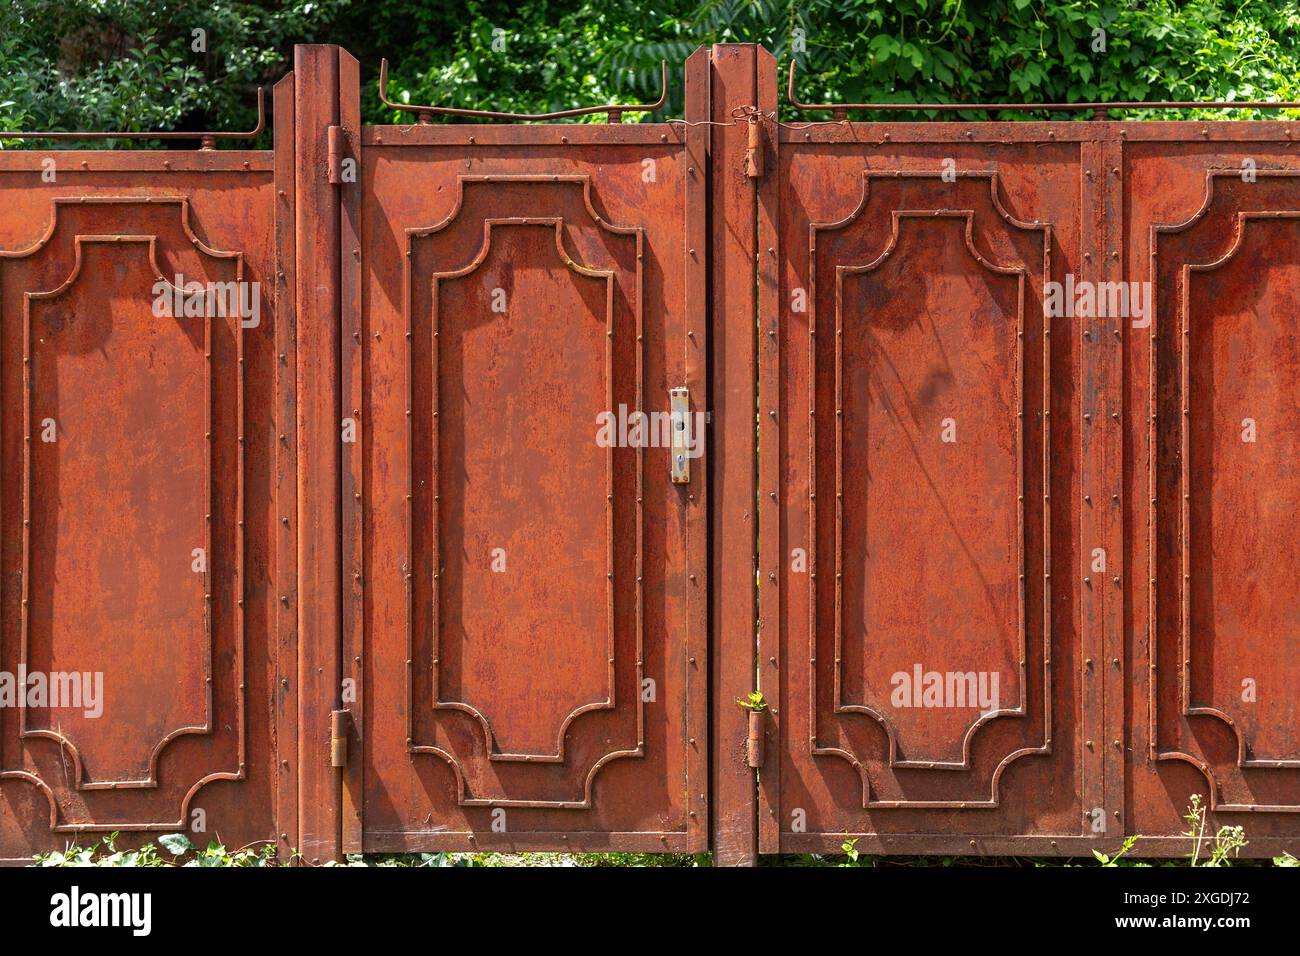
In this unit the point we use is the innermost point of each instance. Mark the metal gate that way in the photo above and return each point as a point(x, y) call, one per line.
point(528, 620)
point(148, 486)
point(971, 479)
point(428, 556)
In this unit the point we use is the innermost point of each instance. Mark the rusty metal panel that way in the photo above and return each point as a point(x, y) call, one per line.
point(971, 482)
point(139, 452)
point(1007, 576)
point(928, 468)
point(532, 635)
point(1212, 216)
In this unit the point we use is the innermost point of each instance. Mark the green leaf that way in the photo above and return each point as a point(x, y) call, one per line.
point(176, 844)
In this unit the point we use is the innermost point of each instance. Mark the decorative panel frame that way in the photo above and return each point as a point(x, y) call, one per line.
point(150, 207)
point(1179, 326)
point(1021, 272)
point(608, 277)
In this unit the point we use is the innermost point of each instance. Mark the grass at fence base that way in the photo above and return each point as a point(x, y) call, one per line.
point(177, 850)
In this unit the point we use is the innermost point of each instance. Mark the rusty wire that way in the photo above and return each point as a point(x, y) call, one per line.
point(207, 139)
point(1100, 110)
point(615, 111)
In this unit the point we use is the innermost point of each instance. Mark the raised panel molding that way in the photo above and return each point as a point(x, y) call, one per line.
point(69, 752)
point(517, 788)
point(1207, 243)
point(931, 203)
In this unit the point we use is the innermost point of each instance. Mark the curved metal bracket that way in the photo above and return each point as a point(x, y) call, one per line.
point(1099, 110)
point(206, 140)
point(423, 113)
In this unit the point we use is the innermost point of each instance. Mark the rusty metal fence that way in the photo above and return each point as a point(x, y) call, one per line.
point(331, 517)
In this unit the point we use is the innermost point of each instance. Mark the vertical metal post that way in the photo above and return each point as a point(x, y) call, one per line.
point(733, 472)
point(770, 563)
point(1100, 426)
point(286, 482)
point(316, 109)
point(352, 350)
point(1106, 368)
point(696, 256)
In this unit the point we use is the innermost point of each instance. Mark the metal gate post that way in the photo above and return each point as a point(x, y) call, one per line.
point(733, 481)
point(351, 345)
point(1101, 508)
point(771, 260)
point(286, 483)
point(317, 225)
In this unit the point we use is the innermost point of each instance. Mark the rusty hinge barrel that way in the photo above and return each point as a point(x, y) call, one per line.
point(336, 155)
point(754, 148)
point(340, 722)
point(755, 748)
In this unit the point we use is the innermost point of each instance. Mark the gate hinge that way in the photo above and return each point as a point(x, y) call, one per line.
point(340, 724)
point(755, 741)
point(754, 148)
point(336, 141)
point(755, 750)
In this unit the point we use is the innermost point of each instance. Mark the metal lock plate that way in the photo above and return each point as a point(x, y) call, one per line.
point(679, 406)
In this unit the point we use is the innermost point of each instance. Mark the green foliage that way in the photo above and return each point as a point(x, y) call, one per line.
point(1227, 841)
point(1107, 860)
point(391, 860)
point(851, 855)
point(128, 64)
point(131, 64)
point(179, 851)
point(901, 51)
point(754, 701)
point(523, 859)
